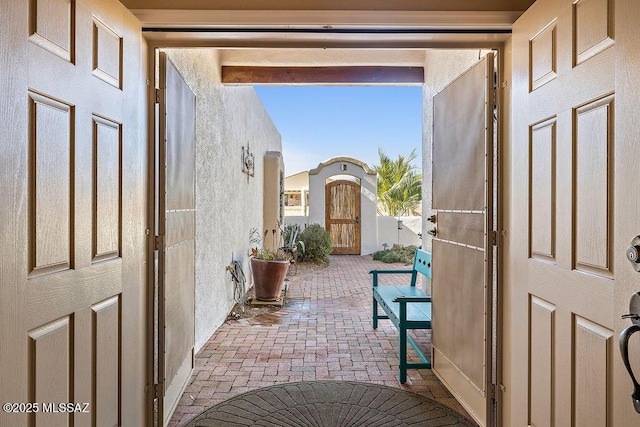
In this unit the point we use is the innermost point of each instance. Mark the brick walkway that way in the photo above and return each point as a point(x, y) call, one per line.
point(323, 333)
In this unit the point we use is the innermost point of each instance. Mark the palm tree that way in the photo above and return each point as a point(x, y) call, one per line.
point(399, 185)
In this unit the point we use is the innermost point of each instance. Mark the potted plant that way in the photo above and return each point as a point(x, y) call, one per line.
point(268, 268)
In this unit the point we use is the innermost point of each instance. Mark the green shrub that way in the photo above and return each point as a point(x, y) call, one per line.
point(404, 255)
point(317, 243)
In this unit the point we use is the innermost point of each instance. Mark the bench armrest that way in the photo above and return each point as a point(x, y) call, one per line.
point(412, 299)
point(376, 272)
point(390, 271)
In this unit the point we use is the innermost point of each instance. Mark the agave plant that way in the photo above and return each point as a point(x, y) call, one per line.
point(290, 235)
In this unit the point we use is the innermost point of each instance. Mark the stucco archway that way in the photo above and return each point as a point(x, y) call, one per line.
point(368, 196)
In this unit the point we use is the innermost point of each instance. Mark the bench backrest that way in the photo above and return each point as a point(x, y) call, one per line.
point(422, 262)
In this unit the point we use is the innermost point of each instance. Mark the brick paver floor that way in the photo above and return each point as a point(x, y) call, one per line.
point(324, 332)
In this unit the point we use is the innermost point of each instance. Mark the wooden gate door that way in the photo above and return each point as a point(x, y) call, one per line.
point(72, 219)
point(342, 216)
point(176, 231)
point(462, 251)
point(575, 210)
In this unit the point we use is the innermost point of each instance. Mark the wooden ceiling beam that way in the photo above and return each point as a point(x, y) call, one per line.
point(242, 75)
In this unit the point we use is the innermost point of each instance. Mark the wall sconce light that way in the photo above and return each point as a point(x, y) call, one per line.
point(343, 167)
point(247, 161)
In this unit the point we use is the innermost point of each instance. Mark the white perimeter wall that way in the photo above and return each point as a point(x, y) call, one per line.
point(388, 231)
point(387, 227)
point(228, 204)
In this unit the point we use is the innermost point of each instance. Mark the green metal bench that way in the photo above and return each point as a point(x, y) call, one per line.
point(407, 307)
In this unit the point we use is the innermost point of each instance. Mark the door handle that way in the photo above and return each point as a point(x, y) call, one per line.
point(633, 253)
point(634, 315)
point(357, 220)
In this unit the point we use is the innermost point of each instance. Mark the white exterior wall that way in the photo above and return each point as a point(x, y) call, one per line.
point(302, 220)
point(228, 204)
point(388, 231)
point(294, 211)
point(368, 198)
point(297, 181)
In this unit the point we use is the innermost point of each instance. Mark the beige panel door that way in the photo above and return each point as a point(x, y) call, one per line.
point(72, 218)
point(342, 211)
point(176, 228)
point(462, 256)
point(574, 204)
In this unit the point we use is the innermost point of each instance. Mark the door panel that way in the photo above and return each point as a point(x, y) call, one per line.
point(566, 159)
point(462, 259)
point(343, 216)
point(176, 226)
point(70, 203)
point(459, 173)
point(467, 228)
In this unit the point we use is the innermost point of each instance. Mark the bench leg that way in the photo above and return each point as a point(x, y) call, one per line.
point(375, 314)
point(402, 333)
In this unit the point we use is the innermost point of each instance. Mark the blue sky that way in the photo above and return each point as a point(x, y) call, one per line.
point(320, 122)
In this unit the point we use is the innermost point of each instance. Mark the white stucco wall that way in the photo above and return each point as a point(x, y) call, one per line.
point(303, 220)
point(441, 68)
point(388, 231)
point(387, 227)
point(368, 200)
point(293, 211)
point(228, 204)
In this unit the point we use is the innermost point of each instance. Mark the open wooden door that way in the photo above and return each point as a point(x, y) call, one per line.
point(176, 236)
point(462, 285)
point(72, 242)
point(575, 211)
point(342, 211)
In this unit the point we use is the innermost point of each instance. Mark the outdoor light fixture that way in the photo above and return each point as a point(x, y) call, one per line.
point(247, 160)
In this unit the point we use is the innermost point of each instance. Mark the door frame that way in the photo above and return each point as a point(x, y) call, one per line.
point(152, 386)
point(157, 39)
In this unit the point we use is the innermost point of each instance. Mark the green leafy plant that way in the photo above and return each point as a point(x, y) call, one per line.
point(399, 185)
point(317, 243)
point(401, 254)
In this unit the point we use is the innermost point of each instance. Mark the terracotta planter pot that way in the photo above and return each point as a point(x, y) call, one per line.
point(268, 278)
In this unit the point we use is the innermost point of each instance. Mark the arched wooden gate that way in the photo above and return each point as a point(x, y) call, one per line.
point(342, 216)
